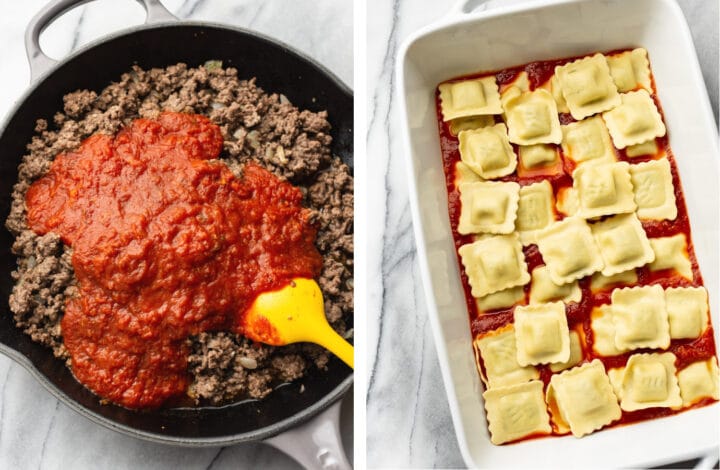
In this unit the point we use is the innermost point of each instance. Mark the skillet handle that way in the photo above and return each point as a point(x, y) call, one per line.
point(317, 443)
point(40, 62)
point(707, 461)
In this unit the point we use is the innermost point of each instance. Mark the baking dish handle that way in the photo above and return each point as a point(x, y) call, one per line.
point(463, 7)
point(39, 61)
point(317, 443)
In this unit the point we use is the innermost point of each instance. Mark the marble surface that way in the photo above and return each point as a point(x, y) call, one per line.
point(406, 403)
point(36, 431)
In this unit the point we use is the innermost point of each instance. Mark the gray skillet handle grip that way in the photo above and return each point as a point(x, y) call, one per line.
point(41, 63)
point(317, 443)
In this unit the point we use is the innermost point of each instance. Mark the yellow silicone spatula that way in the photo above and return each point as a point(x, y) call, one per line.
point(294, 314)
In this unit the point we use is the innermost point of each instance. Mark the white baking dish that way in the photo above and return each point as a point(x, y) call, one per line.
point(490, 40)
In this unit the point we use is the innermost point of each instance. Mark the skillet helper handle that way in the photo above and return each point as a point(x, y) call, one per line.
point(315, 444)
point(40, 63)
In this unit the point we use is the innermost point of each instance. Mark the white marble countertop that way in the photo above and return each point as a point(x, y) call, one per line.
point(408, 418)
point(37, 431)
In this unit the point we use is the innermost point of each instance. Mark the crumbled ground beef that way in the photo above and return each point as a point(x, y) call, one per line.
point(257, 126)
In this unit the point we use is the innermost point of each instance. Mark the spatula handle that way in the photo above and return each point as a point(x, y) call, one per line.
point(336, 344)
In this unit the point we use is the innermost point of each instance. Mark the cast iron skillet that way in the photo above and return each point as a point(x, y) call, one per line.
point(277, 68)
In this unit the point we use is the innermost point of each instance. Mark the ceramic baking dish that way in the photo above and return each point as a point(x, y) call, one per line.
point(466, 42)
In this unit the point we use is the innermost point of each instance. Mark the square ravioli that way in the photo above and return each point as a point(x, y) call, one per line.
point(640, 318)
point(616, 375)
point(535, 157)
point(687, 309)
point(671, 253)
point(487, 151)
point(499, 355)
point(520, 84)
point(587, 86)
point(570, 235)
point(600, 282)
point(638, 150)
point(623, 243)
point(567, 202)
point(576, 354)
point(494, 263)
point(532, 118)
point(604, 189)
point(541, 334)
point(582, 399)
point(635, 120)
point(469, 98)
point(469, 123)
point(630, 70)
point(649, 381)
point(603, 328)
point(553, 86)
point(588, 141)
point(501, 299)
point(699, 380)
point(543, 289)
point(463, 174)
point(535, 210)
point(654, 192)
point(516, 411)
point(488, 207)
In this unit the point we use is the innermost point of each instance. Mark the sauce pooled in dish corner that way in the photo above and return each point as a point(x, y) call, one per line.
point(167, 243)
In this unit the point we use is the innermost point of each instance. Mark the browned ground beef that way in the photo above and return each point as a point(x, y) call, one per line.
point(257, 126)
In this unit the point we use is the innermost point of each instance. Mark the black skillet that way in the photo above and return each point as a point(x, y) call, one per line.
point(160, 42)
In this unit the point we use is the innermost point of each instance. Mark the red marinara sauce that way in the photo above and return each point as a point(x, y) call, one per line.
point(578, 314)
point(167, 243)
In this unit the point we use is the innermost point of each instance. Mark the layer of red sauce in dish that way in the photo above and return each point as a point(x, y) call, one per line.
point(578, 314)
point(167, 243)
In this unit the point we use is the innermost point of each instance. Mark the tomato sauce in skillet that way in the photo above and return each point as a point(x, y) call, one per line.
point(167, 243)
point(578, 314)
